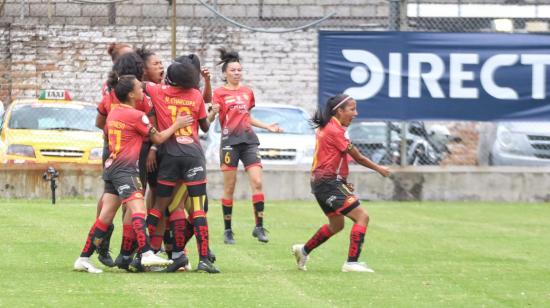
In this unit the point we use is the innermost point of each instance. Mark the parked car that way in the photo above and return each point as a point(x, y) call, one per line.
point(51, 128)
point(515, 144)
point(381, 142)
point(292, 147)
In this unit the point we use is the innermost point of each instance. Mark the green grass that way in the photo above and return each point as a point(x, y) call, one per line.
point(424, 254)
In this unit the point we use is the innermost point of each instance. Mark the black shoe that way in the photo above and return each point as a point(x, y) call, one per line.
point(122, 262)
point(259, 233)
point(228, 237)
point(179, 262)
point(207, 267)
point(211, 256)
point(135, 266)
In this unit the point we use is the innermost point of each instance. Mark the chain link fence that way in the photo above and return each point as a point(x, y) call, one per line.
point(62, 44)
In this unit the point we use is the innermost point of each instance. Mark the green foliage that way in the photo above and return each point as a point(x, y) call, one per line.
point(428, 254)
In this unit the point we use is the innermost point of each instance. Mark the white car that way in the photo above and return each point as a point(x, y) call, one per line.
point(295, 146)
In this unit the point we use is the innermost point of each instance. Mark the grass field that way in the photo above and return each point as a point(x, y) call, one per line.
point(424, 254)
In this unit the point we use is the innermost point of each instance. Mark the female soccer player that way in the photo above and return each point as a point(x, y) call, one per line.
point(328, 182)
point(126, 64)
point(126, 127)
point(234, 101)
point(181, 159)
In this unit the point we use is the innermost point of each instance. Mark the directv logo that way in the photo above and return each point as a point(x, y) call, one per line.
point(370, 75)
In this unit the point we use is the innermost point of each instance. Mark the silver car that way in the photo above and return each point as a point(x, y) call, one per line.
point(295, 146)
point(515, 144)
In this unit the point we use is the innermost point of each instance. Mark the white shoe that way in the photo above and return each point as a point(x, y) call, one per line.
point(150, 259)
point(84, 265)
point(301, 257)
point(188, 267)
point(356, 267)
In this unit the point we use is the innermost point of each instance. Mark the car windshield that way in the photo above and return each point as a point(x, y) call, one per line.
point(53, 117)
point(372, 132)
point(291, 120)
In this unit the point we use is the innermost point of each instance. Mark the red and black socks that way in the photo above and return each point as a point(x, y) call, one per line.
point(95, 237)
point(321, 236)
point(201, 233)
point(177, 225)
point(227, 208)
point(153, 220)
point(128, 240)
point(139, 226)
point(258, 201)
point(357, 237)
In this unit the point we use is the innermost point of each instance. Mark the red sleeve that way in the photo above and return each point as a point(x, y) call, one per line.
point(102, 108)
point(146, 105)
point(339, 141)
point(151, 89)
point(142, 124)
point(252, 102)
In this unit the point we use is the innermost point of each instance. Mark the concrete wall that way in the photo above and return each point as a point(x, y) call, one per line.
point(414, 184)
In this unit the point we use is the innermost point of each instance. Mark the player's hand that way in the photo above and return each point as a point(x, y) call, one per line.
point(184, 121)
point(205, 73)
point(216, 108)
point(350, 186)
point(384, 171)
point(151, 161)
point(274, 128)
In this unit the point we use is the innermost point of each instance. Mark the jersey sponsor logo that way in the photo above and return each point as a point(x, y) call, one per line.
point(193, 171)
point(184, 140)
point(227, 148)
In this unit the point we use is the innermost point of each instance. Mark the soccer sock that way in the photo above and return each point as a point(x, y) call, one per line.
point(357, 236)
point(201, 233)
point(321, 236)
point(128, 239)
point(94, 239)
point(258, 200)
point(189, 230)
point(156, 242)
point(107, 240)
point(153, 220)
point(138, 223)
point(227, 207)
point(177, 224)
point(167, 239)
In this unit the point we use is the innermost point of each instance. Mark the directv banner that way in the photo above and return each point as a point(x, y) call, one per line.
point(438, 76)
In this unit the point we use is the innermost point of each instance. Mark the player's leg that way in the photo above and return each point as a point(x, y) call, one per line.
point(229, 158)
point(250, 157)
point(357, 237)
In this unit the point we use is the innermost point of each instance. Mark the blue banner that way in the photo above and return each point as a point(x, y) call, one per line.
point(438, 76)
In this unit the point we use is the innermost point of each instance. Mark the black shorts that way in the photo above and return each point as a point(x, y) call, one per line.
point(247, 153)
point(190, 170)
point(334, 197)
point(123, 183)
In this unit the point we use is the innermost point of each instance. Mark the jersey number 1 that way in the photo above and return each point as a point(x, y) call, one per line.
point(175, 111)
point(115, 135)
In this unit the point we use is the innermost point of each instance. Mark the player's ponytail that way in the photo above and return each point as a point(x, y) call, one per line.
point(128, 64)
point(227, 57)
point(323, 114)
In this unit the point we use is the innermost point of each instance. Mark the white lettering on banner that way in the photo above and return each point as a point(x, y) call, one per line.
point(429, 68)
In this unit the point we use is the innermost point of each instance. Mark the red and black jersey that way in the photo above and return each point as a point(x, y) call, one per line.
point(331, 150)
point(126, 128)
point(109, 101)
point(169, 102)
point(235, 106)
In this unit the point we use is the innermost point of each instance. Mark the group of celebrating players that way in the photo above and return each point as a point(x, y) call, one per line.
point(151, 120)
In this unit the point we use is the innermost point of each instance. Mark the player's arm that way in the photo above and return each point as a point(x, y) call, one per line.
point(159, 137)
point(273, 127)
point(204, 124)
point(364, 161)
point(207, 91)
point(100, 121)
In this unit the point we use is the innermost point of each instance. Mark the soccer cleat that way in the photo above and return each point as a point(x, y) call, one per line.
point(301, 257)
point(148, 258)
point(135, 266)
point(84, 265)
point(123, 262)
point(228, 237)
point(356, 267)
point(207, 267)
point(259, 233)
point(104, 256)
point(178, 263)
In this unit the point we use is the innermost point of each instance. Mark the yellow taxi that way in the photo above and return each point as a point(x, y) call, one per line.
point(50, 128)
